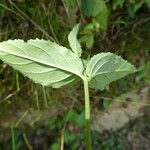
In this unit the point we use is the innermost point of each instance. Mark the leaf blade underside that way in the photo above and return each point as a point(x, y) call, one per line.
point(104, 68)
point(42, 61)
point(73, 41)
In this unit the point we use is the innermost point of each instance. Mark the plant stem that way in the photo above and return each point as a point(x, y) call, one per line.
point(21, 118)
point(37, 100)
point(17, 81)
point(88, 144)
point(45, 98)
point(13, 137)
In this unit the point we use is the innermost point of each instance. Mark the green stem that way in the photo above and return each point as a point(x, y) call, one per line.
point(37, 100)
point(13, 137)
point(45, 98)
point(88, 144)
point(17, 81)
point(21, 118)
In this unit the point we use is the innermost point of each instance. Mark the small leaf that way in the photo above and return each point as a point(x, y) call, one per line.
point(106, 104)
point(92, 7)
point(147, 3)
point(90, 41)
point(104, 68)
point(98, 10)
point(73, 41)
point(102, 19)
point(117, 3)
point(42, 61)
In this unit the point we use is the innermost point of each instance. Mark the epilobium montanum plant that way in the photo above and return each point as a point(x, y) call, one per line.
point(52, 65)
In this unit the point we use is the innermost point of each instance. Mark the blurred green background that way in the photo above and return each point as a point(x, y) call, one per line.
point(33, 117)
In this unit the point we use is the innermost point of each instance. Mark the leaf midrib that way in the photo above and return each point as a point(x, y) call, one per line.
point(116, 71)
point(41, 62)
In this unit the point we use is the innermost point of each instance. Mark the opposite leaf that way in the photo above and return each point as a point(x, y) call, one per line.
point(42, 61)
point(104, 68)
point(73, 41)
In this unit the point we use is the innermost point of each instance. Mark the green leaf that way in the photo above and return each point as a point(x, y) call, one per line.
point(89, 41)
point(73, 41)
point(55, 146)
point(76, 118)
point(92, 7)
point(104, 68)
point(134, 6)
point(102, 16)
point(117, 3)
point(98, 9)
point(102, 19)
point(106, 104)
point(87, 7)
point(147, 3)
point(42, 61)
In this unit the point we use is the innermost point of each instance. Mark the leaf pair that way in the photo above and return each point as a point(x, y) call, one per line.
point(49, 64)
